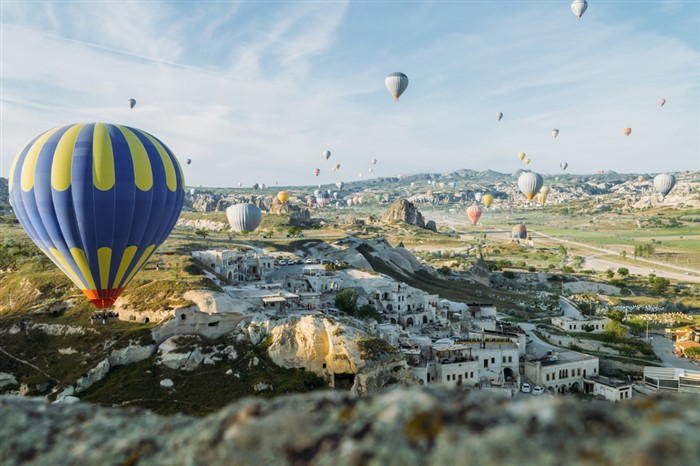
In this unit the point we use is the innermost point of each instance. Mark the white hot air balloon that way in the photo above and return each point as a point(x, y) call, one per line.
point(499, 115)
point(563, 165)
point(579, 7)
point(555, 133)
point(396, 83)
point(243, 217)
point(339, 184)
point(530, 184)
point(664, 183)
point(327, 154)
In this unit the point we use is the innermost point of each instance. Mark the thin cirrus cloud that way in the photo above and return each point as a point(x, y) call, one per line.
point(254, 93)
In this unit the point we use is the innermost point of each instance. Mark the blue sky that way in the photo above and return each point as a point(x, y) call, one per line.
point(256, 91)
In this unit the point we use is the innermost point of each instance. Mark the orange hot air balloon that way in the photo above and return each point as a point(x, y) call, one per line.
point(627, 131)
point(640, 178)
point(474, 213)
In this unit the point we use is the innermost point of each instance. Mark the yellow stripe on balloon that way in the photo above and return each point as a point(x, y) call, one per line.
point(139, 264)
point(63, 159)
point(58, 257)
point(123, 265)
point(104, 260)
point(12, 169)
point(143, 174)
point(80, 259)
point(102, 159)
point(29, 165)
point(170, 177)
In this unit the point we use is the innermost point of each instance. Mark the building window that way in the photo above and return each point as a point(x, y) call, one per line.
point(547, 377)
point(504, 359)
point(510, 358)
point(493, 360)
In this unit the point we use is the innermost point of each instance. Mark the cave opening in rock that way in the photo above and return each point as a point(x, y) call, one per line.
point(343, 381)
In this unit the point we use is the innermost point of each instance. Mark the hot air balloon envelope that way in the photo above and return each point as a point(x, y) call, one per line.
point(97, 199)
point(530, 184)
point(487, 200)
point(664, 183)
point(474, 213)
point(396, 83)
point(579, 7)
point(243, 217)
point(132, 103)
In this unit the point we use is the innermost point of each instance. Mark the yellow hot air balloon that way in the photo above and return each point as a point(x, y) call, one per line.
point(487, 200)
point(527, 161)
point(521, 155)
point(542, 196)
point(283, 196)
point(640, 179)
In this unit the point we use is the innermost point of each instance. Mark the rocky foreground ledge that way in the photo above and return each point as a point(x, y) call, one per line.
point(400, 427)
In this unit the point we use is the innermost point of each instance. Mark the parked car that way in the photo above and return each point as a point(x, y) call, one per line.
point(283, 262)
point(525, 388)
point(309, 261)
point(325, 262)
point(538, 390)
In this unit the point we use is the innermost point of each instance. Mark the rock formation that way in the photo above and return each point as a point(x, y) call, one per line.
point(335, 351)
point(404, 427)
point(403, 211)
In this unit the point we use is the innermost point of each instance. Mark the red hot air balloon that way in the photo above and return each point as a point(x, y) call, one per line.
point(317, 171)
point(474, 213)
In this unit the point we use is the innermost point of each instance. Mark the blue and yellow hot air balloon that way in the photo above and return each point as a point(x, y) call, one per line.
point(97, 199)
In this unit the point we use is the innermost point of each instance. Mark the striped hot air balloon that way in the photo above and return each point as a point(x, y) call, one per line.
point(519, 232)
point(98, 199)
point(664, 183)
point(243, 217)
point(396, 83)
point(474, 213)
point(530, 184)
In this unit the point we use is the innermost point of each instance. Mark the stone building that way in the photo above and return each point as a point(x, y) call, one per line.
point(236, 266)
point(562, 372)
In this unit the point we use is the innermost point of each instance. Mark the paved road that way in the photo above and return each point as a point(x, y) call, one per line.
point(663, 347)
point(569, 309)
point(538, 346)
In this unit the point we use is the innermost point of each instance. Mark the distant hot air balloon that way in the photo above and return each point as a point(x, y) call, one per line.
point(337, 166)
point(555, 133)
point(243, 217)
point(189, 161)
point(316, 172)
point(339, 184)
point(310, 201)
point(349, 202)
point(356, 200)
point(256, 186)
point(327, 154)
point(396, 83)
point(262, 186)
point(487, 200)
point(474, 213)
point(527, 161)
point(323, 199)
point(132, 103)
point(542, 196)
point(361, 200)
point(378, 197)
point(530, 184)
point(664, 183)
point(579, 7)
point(98, 199)
point(374, 161)
point(640, 179)
point(371, 170)
point(478, 196)
point(661, 102)
point(519, 232)
point(628, 131)
point(429, 193)
point(359, 175)
point(240, 183)
point(499, 115)
point(521, 155)
point(335, 194)
point(563, 165)
point(283, 196)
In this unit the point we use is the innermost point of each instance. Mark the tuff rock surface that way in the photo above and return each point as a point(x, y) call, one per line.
point(404, 427)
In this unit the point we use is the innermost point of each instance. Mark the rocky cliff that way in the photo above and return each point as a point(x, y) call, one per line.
point(332, 349)
point(400, 427)
point(403, 211)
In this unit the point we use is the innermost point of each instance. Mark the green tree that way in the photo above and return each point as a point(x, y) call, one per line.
point(623, 271)
point(293, 231)
point(616, 315)
point(637, 326)
point(610, 273)
point(346, 301)
point(693, 353)
point(624, 254)
point(660, 284)
point(615, 330)
point(202, 232)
